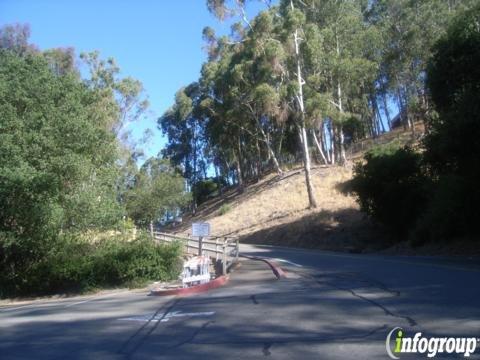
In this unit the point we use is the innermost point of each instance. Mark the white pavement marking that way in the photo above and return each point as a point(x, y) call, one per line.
point(164, 318)
point(95, 298)
point(282, 261)
point(61, 302)
point(14, 308)
point(288, 262)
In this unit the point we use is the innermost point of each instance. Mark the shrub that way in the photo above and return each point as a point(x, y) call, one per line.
point(225, 208)
point(76, 265)
point(391, 188)
point(445, 217)
point(204, 189)
point(452, 145)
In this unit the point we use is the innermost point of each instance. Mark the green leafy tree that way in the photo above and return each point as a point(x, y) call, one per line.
point(57, 161)
point(158, 189)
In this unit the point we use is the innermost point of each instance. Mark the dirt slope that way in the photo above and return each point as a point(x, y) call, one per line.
point(275, 211)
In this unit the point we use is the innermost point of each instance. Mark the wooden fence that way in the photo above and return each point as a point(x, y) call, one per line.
point(223, 248)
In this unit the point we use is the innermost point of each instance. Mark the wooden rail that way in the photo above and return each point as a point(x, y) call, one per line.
point(223, 248)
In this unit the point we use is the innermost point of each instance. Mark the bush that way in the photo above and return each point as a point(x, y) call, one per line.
point(225, 208)
point(205, 189)
point(75, 265)
point(391, 187)
point(445, 217)
point(452, 145)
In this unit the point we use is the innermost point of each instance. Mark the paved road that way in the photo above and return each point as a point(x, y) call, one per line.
point(331, 306)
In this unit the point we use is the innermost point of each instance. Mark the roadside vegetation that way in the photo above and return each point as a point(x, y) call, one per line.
point(288, 95)
point(310, 81)
point(432, 194)
point(302, 83)
point(67, 169)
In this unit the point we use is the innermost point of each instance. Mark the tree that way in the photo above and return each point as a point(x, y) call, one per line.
point(121, 98)
point(15, 38)
point(184, 131)
point(57, 162)
point(157, 189)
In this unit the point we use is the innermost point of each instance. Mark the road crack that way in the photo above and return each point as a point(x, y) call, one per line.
point(369, 282)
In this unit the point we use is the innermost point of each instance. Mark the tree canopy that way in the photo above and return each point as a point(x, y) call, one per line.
point(301, 80)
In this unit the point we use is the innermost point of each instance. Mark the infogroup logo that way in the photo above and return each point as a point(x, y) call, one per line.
point(397, 343)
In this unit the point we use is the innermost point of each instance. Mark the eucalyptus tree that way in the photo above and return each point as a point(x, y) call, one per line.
point(254, 76)
point(123, 98)
point(222, 126)
point(342, 62)
point(16, 38)
point(410, 28)
point(291, 31)
point(183, 126)
point(158, 188)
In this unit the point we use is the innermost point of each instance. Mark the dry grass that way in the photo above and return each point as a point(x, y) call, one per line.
point(275, 211)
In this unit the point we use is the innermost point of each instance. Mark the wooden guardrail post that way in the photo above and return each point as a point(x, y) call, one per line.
point(224, 260)
point(237, 244)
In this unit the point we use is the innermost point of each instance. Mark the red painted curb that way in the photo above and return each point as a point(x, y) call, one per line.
point(277, 270)
point(220, 281)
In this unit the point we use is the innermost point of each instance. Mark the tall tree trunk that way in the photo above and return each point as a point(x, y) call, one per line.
point(319, 147)
point(238, 158)
point(378, 116)
point(303, 133)
point(194, 175)
point(280, 141)
point(218, 179)
point(271, 153)
point(306, 161)
point(324, 143)
point(385, 109)
point(343, 157)
point(258, 161)
point(332, 143)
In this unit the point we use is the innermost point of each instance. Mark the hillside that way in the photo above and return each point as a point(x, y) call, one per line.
point(274, 211)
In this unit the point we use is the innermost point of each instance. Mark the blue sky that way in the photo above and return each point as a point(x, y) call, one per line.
point(157, 42)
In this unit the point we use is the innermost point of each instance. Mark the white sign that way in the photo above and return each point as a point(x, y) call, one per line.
point(200, 229)
point(196, 270)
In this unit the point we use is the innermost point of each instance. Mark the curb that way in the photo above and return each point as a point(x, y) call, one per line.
point(220, 281)
point(277, 270)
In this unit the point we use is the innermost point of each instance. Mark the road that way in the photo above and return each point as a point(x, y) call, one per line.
point(331, 306)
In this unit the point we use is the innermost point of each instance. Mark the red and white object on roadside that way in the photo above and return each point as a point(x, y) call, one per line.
point(196, 271)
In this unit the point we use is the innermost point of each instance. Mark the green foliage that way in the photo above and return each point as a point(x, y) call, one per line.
point(452, 146)
point(391, 188)
point(451, 212)
point(57, 161)
point(454, 78)
point(225, 208)
point(435, 192)
point(62, 174)
point(156, 190)
point(76, 265)
point(205, 189)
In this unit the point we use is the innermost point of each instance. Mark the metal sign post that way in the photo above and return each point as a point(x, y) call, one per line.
point(200, 243)
point(200, 230)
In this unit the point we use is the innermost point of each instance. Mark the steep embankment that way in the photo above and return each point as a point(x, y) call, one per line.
point(275, 211)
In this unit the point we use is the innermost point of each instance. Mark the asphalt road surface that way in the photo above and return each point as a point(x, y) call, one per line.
point(331, 306)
